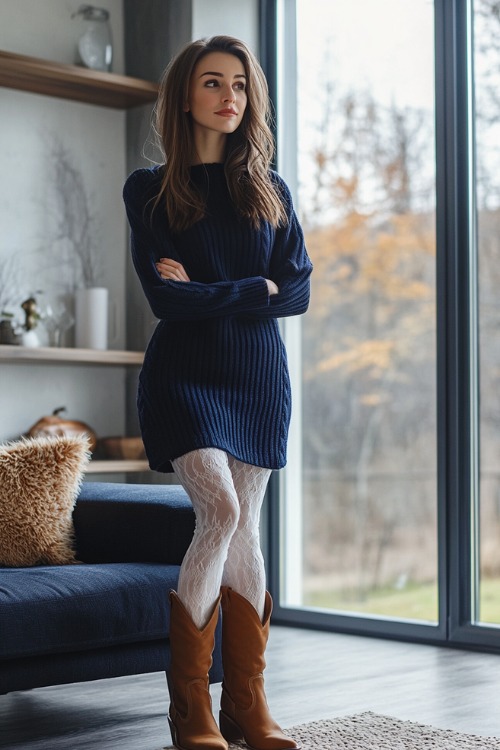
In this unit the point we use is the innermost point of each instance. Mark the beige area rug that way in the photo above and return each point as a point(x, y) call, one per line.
point(369, 731)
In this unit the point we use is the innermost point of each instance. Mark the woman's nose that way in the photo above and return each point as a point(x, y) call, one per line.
point(228, 94)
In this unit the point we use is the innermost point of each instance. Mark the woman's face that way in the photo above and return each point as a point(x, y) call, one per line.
point(217, 93)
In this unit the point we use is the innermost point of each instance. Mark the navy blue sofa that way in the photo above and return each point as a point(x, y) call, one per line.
point(108, 616)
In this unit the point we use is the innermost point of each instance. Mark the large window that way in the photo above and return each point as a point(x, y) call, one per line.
point(389, 132)
point(487, 88)
point(366, 197)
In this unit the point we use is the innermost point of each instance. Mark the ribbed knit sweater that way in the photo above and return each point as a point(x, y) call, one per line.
point(215, 371)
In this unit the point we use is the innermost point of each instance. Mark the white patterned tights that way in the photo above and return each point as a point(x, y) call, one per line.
point(227, 497)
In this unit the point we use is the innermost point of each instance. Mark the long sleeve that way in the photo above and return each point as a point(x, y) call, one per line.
point(177, 300)
point(290, 267)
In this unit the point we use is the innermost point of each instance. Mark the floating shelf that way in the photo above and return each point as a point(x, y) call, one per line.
point(73, 82)
point(115, 467)
point(79, 84)
point(55, 355)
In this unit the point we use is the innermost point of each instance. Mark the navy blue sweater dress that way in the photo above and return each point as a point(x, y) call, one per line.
point(215, 371)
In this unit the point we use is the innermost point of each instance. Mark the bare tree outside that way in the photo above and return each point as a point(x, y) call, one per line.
point(367, 196)
point(367, 201)
point(369, 349)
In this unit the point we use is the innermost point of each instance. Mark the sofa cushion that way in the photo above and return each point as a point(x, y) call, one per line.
point(133, 523)
point(39, 480)
point(54, 609)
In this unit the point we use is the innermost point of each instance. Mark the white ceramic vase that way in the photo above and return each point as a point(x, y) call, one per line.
point(91, 318)
point(30, 339)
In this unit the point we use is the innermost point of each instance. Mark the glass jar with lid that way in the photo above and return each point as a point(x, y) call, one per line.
point(94, 47)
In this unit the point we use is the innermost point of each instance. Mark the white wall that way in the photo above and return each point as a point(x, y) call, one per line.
point(235, 18)
point(33, 129)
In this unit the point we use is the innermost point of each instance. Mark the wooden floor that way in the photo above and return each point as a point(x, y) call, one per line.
point(310, 675)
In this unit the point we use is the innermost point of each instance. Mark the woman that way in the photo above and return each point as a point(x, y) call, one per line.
point(220, 255)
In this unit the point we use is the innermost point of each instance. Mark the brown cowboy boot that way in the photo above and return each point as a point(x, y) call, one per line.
point(191, 720)
point(244, 711)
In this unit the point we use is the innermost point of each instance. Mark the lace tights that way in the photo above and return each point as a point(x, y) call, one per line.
point(227, 497)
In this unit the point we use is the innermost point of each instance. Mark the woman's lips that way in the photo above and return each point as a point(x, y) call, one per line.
point(226, 113)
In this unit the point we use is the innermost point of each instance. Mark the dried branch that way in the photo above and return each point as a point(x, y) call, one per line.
point(75, 222)
point(10, 282)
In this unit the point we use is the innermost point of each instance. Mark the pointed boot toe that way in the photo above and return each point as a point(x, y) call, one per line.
point(244, 711)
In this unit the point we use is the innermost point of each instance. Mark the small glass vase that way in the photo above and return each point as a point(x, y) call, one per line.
point(94, 47)
point(56, 319)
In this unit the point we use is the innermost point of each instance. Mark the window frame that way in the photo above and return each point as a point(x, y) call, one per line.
point(457, 442)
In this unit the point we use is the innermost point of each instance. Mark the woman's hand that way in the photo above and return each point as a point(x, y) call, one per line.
point(271, 287)
point(171, 269)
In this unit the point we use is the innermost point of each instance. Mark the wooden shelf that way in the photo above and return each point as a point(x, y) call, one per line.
point(79, 84)
point(73, 82)
point(54, 355)
point(115, 467)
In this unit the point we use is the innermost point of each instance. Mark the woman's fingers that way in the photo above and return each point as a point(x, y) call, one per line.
point(171, 269)
point(271, 287)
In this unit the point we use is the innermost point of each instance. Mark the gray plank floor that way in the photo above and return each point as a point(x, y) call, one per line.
point(311, 675)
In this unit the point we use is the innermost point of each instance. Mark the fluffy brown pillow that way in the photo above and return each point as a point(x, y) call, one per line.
point(39, 483)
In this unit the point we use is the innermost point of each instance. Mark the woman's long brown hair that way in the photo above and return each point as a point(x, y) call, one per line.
point(249, 149)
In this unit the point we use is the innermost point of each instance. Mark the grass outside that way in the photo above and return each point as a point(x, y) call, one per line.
point(413, 602)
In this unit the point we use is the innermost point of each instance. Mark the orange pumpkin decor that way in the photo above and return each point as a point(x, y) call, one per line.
point(56, 425)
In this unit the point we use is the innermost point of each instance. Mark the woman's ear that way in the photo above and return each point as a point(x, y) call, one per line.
point(186, 107)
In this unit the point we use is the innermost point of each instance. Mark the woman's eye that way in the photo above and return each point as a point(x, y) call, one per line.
point(240, 86)
point(211, 84)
